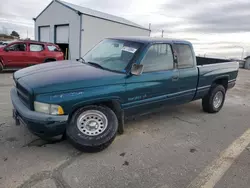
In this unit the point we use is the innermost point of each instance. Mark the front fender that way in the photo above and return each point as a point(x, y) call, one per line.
point(103, 100)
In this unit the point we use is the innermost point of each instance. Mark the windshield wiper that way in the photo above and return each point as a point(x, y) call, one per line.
point(91, 63)
point(95, 64)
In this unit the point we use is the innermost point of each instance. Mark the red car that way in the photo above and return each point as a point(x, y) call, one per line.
point(21, 54)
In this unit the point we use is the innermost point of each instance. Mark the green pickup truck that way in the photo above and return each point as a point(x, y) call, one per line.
point(87, 100)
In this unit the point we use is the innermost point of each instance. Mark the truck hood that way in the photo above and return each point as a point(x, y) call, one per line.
point(65, 76)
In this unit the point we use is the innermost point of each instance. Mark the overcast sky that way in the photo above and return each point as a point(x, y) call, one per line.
point(216, 27)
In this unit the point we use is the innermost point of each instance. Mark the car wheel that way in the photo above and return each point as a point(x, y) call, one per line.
point(49, 60)
point(1, 67)
point(92, 128)
point(214, 100)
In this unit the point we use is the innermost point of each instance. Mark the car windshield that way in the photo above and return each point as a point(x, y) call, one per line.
point(112, 54)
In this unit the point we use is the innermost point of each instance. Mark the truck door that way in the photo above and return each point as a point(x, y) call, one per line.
point(188, 72)
point(152, 88)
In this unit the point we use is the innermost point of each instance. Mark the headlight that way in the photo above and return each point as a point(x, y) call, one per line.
point(52, 109)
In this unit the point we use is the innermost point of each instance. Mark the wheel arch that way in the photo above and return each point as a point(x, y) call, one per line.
point(223, 80)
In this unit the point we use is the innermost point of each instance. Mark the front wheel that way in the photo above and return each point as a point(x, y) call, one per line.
point(214, 100)
point(1, 67)
point(92, 128)
point(49, 60)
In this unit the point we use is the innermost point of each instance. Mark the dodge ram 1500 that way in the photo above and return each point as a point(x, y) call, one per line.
point(87, 99)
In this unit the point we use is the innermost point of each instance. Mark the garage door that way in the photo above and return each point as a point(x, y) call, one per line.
point(62, 34)
point(44, 33)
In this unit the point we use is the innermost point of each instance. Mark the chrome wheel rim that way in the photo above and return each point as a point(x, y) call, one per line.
point(92, 123)
point(218, 99)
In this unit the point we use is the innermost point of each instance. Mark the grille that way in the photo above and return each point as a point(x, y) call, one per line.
point(23, 94)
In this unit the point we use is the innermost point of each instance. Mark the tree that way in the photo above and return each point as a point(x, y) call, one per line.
point(14, 34)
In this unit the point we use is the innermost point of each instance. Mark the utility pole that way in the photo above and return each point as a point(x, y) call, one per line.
point(27, 33)
point(242, 56)
point(162, 33)
point(243, 50)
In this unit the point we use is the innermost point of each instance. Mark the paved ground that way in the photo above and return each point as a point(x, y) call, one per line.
point(170, 149)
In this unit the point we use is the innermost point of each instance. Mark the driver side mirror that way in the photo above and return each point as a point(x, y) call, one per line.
point(6, 49)
point(137, 69)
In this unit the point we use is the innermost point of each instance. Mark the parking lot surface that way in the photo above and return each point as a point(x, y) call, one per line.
point(172, 148)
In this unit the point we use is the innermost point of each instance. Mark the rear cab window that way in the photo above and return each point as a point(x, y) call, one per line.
point(36, 47)
point(185, 56)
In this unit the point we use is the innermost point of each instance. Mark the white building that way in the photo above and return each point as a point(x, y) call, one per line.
point(247, 63)
point(77, 29)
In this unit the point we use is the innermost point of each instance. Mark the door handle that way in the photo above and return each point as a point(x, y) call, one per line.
point(175, 78)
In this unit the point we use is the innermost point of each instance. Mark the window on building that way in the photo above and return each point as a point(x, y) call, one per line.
point(185, 56)
point(36, 47)
point(158, 57)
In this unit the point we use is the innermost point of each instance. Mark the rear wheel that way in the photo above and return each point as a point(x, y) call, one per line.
point(92, 128)
point(49, 60)
point(214, 100)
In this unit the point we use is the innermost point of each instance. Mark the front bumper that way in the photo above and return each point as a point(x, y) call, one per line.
point(43, 125)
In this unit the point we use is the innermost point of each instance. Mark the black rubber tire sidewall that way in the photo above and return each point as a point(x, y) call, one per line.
point(92, 143)
point(1, 66)
point(207, 101)
point(49, 60)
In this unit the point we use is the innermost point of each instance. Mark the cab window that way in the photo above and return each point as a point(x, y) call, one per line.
point(17, 47)
point(184, 56)
point(159, 57)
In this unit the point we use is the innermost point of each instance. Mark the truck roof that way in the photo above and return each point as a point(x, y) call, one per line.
point(152, 40)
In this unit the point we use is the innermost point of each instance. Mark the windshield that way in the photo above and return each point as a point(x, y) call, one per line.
point(113, 54)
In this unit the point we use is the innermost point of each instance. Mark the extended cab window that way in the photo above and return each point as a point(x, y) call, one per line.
point(158, 57)
point(185, 56)
point(36, 47)
point(17, 47)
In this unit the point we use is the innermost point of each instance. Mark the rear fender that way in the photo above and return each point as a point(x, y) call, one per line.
point(222, 80)
point(221, 77)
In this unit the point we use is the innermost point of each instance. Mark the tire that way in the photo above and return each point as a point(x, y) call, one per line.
point(49, 60)
point(81, 137)
point(1, 67)
point(209, 103)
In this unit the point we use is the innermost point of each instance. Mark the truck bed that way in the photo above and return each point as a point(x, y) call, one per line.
point(208, 61)
point(210, 72)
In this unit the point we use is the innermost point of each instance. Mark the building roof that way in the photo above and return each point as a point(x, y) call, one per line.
point(151, 39)
point(97, 14)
